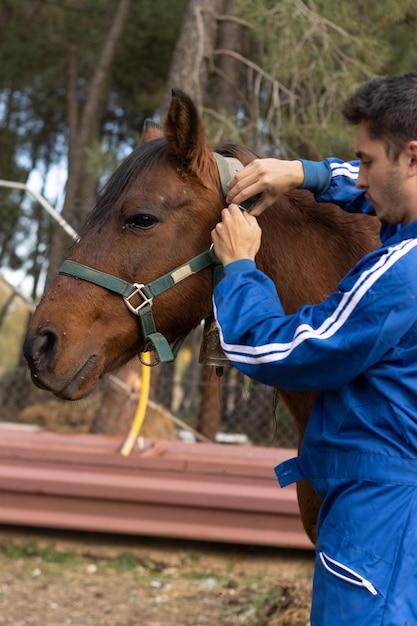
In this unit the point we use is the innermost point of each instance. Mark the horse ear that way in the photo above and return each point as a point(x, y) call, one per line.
point(151, 130)
point(184, 132)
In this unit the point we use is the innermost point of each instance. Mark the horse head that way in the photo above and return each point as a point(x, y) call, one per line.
point(155, 214)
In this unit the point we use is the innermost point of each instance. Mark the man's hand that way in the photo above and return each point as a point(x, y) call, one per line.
point(237, 236)
point(270, 177)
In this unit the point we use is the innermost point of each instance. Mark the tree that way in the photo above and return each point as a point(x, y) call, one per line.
point(306, 57)
point(83, 127)
point(227, 69)
point(192, 55)
point(49, 98)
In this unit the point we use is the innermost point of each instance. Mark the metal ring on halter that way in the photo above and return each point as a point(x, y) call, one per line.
point(155, 362)
point(211, 249)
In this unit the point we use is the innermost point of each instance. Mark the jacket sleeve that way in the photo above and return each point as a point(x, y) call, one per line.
point(334, 180)
point(322, 346)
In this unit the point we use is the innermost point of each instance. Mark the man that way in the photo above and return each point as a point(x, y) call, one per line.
point(359, 347)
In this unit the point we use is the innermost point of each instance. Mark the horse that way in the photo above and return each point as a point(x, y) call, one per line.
point(141, 275)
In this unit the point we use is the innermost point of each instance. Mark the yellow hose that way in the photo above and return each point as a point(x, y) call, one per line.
point(141, 406)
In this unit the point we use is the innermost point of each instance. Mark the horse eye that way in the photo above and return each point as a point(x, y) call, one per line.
point(141, 221)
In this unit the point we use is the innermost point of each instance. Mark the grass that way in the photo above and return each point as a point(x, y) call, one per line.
point(125, 562)
point(32, 550)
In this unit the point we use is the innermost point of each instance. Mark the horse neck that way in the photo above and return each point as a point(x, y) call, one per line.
point(307, 248)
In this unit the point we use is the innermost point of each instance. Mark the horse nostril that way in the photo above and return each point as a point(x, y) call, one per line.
point(44, 349)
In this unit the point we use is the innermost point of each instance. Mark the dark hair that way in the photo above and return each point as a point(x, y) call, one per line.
point(388, 105)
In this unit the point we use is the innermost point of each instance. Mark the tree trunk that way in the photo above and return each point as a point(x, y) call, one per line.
point(228, 67)
point(209, 412)
point(192, 55)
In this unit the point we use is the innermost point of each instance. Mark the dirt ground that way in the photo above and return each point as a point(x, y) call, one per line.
point(51, 578)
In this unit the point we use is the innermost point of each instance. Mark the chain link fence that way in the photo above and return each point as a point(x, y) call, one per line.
point(188, 400)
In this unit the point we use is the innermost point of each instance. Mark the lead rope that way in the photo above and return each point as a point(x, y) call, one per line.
point(140, 412)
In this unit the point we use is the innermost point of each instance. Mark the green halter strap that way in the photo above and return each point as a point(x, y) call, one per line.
point(153, 339)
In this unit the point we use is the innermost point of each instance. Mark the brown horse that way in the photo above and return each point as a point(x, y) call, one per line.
point(154, 215)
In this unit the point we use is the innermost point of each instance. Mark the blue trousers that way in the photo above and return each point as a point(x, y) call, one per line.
point(366, 561)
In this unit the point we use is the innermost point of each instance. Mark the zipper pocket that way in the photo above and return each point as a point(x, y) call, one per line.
point(345, 573)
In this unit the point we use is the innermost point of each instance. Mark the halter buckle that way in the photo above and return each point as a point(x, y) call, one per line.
point(138, 291)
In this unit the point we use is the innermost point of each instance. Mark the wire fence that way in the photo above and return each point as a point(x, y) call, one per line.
point(188, 400)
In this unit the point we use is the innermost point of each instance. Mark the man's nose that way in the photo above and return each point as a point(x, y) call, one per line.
point(361, 181)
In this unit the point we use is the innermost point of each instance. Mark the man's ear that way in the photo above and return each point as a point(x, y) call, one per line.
point(412, 156)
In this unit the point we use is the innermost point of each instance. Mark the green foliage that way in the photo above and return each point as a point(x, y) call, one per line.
point(316, 54)
point(142, 64)
point(35, 39)
point(33, 83)
point(103, 160)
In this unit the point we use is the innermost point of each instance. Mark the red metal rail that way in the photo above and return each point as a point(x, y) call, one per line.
point(172, 489)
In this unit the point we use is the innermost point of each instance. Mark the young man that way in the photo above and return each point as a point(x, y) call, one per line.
point(359, 347)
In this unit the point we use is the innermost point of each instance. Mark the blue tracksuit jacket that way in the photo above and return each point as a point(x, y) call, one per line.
point(359, 347)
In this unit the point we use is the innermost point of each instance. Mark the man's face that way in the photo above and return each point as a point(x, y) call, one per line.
point(387, 182)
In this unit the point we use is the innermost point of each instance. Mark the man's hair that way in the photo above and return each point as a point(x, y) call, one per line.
point(388, 106)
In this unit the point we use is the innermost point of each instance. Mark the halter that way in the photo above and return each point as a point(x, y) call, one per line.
point(154, 340)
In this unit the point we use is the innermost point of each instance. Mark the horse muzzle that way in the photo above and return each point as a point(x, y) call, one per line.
point(42, 354)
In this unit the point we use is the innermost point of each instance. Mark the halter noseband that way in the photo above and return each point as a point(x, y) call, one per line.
point(153, 339)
